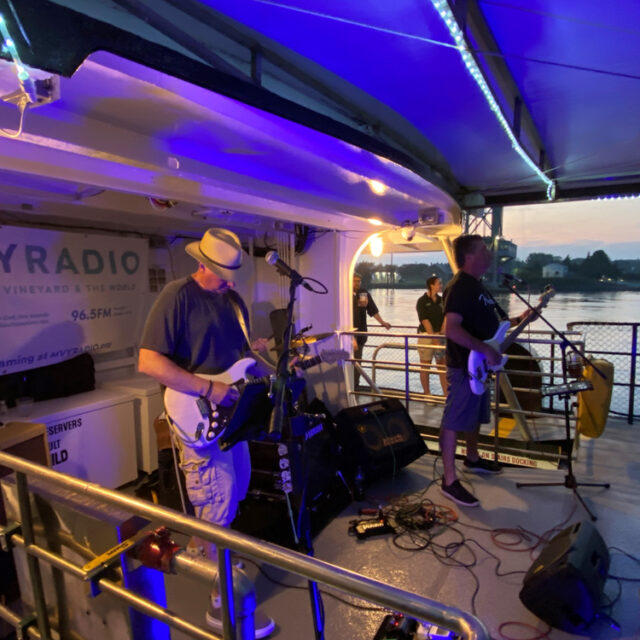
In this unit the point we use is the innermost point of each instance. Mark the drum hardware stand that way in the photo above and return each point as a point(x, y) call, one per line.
point(496, 416)
point(570, 480)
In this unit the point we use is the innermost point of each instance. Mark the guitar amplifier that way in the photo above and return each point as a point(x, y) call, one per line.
point(305, 465)
point(305, 462)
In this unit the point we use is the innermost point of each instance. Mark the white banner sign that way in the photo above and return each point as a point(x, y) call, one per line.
point(62, 294)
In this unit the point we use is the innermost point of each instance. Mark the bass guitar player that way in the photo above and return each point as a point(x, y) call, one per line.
point(471, 317)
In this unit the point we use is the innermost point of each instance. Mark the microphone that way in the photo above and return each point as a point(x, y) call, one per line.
point(273, 258)
point(509, 278)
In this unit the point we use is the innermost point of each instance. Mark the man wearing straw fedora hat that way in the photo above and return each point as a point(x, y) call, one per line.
point(197, 325)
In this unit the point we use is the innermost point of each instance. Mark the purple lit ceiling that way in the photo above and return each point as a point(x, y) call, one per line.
point(382, 76)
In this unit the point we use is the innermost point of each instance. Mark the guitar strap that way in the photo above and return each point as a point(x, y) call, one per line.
point(501, 312)
point(243, 326)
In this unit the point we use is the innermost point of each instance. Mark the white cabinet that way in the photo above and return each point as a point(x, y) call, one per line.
point(148, 406)
point(90, 435)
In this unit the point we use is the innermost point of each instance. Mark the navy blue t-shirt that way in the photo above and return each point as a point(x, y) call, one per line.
point(195, 328)
point(466, 296)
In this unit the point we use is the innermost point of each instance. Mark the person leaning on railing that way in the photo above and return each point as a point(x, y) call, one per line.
point(363, 306)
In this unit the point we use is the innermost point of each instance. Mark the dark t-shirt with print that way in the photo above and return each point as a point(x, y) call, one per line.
point(466, 296)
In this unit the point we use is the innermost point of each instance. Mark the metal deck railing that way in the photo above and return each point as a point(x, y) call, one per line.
point(391, 364)
point(617, 342)
point(226, 540)
point(391, 360)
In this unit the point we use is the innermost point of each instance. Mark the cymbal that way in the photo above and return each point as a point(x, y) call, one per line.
point(310, 339)
point(318, 337)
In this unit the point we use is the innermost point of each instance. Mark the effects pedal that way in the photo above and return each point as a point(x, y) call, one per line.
point(428, 631)
point(396, 627)
point(372, 527)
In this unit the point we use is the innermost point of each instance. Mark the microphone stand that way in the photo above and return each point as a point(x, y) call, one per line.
point(570, 480)
point(281, 405)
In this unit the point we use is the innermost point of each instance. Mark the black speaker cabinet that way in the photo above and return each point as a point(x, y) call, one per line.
point(564, 585)
point(380, 437)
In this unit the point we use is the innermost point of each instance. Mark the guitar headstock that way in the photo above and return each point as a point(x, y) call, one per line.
point(330, 356)
point(545, 296)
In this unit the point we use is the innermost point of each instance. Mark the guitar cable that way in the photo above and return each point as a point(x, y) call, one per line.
point(174, 446)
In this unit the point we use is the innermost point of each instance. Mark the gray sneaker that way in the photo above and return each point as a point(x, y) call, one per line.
point(456, 492)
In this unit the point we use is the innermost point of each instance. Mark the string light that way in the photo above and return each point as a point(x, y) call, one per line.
point(634, 196)
point(9, 46)
point(442, 7)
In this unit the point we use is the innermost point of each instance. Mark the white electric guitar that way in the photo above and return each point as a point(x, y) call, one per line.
point(477, 364)
point(199, 423)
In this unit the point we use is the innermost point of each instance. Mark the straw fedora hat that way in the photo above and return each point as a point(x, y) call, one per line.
point(219, 250)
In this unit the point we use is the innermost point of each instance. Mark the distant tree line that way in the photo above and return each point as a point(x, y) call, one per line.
point(595, 266)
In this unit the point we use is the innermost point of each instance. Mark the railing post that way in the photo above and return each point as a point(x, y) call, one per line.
point(632, 374)
point(406, 372)
point(552, 366)
point(32, 562)
point(228, 610)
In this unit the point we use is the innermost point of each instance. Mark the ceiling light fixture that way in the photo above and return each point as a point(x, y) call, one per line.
point(408, 230)
point(376, 246)
point(442, 7)
point(379, 188)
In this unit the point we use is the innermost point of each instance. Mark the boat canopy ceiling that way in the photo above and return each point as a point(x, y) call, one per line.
point(493, 102)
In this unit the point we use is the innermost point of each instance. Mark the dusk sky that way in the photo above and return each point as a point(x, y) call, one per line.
point(576, 228)
point(563, 228)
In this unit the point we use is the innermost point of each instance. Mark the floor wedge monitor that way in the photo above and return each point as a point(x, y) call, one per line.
point(379, 437)
point(564, 585)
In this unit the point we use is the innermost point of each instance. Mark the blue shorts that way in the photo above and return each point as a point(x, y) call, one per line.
point(463, 409)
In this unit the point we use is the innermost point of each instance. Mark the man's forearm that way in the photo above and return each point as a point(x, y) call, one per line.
point(168, 373)
point(380, 320)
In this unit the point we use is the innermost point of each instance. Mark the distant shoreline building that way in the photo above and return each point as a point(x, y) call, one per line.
point(555, 270)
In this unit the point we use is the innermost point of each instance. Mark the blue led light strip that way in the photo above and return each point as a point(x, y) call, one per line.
point(631, 196)
point(442, 7)
point(9, 45)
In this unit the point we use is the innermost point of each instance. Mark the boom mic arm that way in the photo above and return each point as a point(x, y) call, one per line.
point(273, 258)
point(511, 278)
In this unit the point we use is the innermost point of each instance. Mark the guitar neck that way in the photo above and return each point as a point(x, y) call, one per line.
point(305, 364)
point(512, 337)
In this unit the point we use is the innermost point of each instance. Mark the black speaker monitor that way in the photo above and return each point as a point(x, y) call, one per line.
point(564, 585)
point(379, 436)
